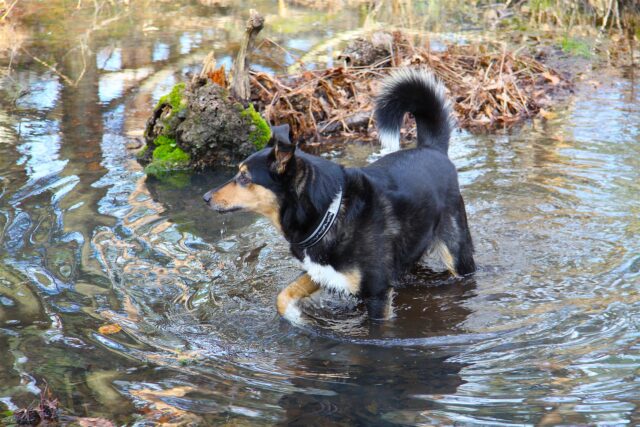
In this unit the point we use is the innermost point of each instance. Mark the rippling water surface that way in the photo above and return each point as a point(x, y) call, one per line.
point(547, 332)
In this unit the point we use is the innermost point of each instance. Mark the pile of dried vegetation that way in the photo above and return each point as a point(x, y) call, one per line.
point(491, 87)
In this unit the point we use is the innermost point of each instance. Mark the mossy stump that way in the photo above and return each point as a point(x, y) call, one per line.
point(199, 125)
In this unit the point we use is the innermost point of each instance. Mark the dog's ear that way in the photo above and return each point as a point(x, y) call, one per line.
point(283, 149)
point(280, 133)
point(284, 153)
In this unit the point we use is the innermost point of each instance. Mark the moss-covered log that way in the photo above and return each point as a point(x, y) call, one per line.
point(200, 125)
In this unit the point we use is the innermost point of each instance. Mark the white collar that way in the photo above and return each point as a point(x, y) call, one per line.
point(325, 224)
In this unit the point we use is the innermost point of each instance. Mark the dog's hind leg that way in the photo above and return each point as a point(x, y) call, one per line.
point(288, 298)
point(453, 244)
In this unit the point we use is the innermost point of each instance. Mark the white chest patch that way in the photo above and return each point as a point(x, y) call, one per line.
point(326, 276)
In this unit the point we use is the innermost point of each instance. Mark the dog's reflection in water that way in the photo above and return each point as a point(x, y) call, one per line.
point(424, 303)
point(383, 377)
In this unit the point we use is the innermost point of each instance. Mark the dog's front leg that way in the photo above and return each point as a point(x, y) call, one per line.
point(377, 295)
point(379, 307)
point(288, 298)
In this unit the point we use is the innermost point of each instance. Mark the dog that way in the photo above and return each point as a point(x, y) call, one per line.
point(357, 230)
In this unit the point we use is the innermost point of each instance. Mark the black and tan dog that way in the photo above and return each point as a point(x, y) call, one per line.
point(356, 230)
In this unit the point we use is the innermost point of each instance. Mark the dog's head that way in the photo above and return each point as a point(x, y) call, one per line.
point(261, 180)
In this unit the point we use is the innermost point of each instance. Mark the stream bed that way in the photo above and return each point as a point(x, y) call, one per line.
point(547, 332)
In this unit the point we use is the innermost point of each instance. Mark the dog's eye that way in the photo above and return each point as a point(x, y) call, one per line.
point(243, 179)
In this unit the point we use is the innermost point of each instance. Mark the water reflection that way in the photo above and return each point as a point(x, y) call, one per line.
point(351, 376)
point(109, 59)
point(545, 333)
point(160, 52)
point(368, 396)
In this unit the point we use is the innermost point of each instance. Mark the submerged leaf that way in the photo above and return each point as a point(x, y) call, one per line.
point(94, 422)
point(110, 329)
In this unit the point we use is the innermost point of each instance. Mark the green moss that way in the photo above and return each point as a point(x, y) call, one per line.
point(259, 136)
point(160, 169)
point(174, 155)
point(142, 152)
point(575, 47)
point(164, 140)
point(167, 156)
point(170, 179)
point(174, 98)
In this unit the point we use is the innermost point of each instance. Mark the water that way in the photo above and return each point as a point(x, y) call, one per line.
point(547, 332)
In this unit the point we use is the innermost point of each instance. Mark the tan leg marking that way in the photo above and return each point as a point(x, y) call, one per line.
point(389, 312)
point(354, 279)
point(300, 288)
point(442, 252)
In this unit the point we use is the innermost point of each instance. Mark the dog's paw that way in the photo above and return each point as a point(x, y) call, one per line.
point(293, 314)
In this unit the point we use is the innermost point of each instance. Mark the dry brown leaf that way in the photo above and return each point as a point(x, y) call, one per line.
point(94, 422)
point(219, 77)
point(548, 115)
point(551, 77)
point(486, 93)
point(110, 329)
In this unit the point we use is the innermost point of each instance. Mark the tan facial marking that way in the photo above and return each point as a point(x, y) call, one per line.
point(253, 197)
point(300, 288)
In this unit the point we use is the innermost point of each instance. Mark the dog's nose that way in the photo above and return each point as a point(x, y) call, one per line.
point(207, 197)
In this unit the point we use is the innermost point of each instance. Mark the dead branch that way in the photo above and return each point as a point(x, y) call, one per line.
point(491, 88)
point(240, 86)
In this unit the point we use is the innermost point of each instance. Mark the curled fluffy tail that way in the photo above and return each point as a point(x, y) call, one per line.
point(418, 92)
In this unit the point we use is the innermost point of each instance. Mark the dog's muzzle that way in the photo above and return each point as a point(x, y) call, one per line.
point(215, 206)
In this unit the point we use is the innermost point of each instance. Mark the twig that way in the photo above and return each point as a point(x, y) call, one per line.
point(8, 11)
point(50, 67)
point(240, 86)
point(266, 39)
